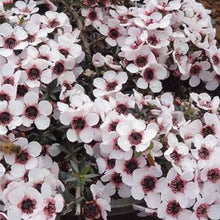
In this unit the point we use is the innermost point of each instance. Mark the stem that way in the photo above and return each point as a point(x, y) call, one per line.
point(78, 207)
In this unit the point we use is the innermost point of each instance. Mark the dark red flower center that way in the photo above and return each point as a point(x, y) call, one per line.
point(131, 165)
point(10, 43)
point(148, 74)
point(8, 80)
point(195, 70)
point(50, 209)
point(111, 163)
point(2, 217)
point(4, 97)
point(203, 153)
point(135, 138)
point(5, 118)
point(54, 23)
point(22, 90)
point(91, 210)
point(116, 179)
point(111, 86)
point(148, 183)
point(64, 52)
point(122, 109)
point(177, 185)
point(28, 205)
point(33, 73)
point(78, 123)
point(92, 15)
point(207, 130)
point(216, 60)
point(22, 157)
point(113, 33)
point(31, 112)
point(175, 156)
point(173, 208)
point(202, 211)
point(141, 61)
point(213, 175)
point(152, 40)
point(112, 126)
point(58, 68)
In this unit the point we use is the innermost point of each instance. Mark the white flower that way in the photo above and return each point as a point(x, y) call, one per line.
point(36, 111)
point(109, 84)
point(151, 75)
point(134, 132)
point(11, 39)
point(81, 122)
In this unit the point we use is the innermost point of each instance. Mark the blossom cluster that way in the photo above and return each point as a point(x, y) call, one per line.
point(159, 39)
point(35, 50)
point(160, 149)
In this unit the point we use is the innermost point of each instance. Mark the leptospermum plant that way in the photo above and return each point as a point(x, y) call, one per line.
point(117, 102)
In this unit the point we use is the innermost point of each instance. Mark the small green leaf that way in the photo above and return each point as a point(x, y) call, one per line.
point(137, 154)
point(74, 166)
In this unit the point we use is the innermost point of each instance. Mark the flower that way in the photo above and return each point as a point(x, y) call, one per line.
point(110, 83)
point(134, 132)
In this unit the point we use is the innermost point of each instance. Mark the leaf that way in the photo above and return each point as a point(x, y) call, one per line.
point(86, 170)
point(74, 166)
point(91, 175)
point(137, 154)
point(151, 146)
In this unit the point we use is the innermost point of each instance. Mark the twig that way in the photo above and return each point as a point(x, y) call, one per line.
point(78, 207)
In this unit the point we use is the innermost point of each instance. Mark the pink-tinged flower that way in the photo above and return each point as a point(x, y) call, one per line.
point(213, 82)
point(205, 102)
point(36, 35)
point(105, 164)
point(25, 9)
point(52, 206)
point(81, 122)
point(166, 5)
point(148, 185)
point(11, 39)
point(110, 84)
point(121, 103)
point(211, 173)
point(10, 115)
point(214, 56)
point(9, 75)
point(54, 20)
point(47, 152)
point(115, 184)
point(176, 151)
point(3, 216)
point(206, 208)
point(67, 45)
point(94, 16)
point(127, 168)
point(7, 93)
point(197, 71)
point(109, 61)
point(170, 208)
point(205, 150)
point(36, 111)
point(114, 32)
point(35, 72)
point(24, 202)
point(151, 76)
point(26, 159)
point(152, 21)
point(109, 146)
point(134, 132)
point(140, 58)
point(183, 186)
point(158, 39)
point(98, 60)
point(101, 199)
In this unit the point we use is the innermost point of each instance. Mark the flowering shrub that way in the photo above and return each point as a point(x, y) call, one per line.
point(109, 104)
